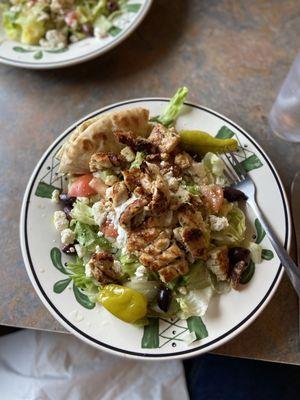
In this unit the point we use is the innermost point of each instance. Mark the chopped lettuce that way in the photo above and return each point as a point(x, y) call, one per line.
point(83, 213)
point(77, 270)
point(102, 25)
point(195, 303)
point(256, 251)
point(214, 165)
point(148, 288)
point(172, 110)
point(220, 287)
point(197, 277)
point(139, 158)
point(85, 234)
point(129, 264)
point(235, 232)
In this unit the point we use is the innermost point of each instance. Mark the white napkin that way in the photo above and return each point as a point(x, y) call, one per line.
point(47, 366)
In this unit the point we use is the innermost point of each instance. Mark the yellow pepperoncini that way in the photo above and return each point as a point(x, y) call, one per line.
point(124, 303)
point(202, 143)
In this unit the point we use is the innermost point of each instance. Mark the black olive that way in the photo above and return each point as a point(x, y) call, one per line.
point(67, 211)
point(164, 299)
point(232, 194)
point(112, 5)
point(67, 200)
point(69, 249)
point(237, 254)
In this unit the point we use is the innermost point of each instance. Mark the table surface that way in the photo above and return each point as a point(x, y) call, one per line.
point(233, 55)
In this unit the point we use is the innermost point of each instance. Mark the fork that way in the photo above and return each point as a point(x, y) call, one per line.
point(242, 181)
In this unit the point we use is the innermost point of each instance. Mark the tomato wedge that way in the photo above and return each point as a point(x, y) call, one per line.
point(81, 188)
point(99, 186)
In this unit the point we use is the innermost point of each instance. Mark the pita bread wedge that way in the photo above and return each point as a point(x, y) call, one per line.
point(96, 135)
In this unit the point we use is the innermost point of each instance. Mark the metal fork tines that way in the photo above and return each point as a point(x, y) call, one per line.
point(241, 180)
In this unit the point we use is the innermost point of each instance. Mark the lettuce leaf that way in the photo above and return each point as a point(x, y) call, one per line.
point(172, 110)
point(139, 158)
point(214, 166)
point(83, 213)
point(195, 303)
point(85, 234)
point(129, 264)
point(79, 278)
point(235, 232)
point(197, 277)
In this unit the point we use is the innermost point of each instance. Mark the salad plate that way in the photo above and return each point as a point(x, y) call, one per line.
point(84, 33)
point(161, 336)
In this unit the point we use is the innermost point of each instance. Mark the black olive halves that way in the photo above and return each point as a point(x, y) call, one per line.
point(164, 299)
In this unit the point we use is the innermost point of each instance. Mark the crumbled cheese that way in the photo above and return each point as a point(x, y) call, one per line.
point(172, 181)
point(99, 212)
point(67, 236)
point(218, 223)
point(189, 338)
point(128, 154)
point(84, 200)
point(54, 38)
point(55, 196)
point(182, 290)
point(117, 267)
point(110, 180)
point(79, 250)
point(60, 221)
point(88, 270)
point(140, 272)
point(100, 234)
point(98, 249)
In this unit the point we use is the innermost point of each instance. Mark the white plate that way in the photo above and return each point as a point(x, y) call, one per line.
point(227, 315)
point(35, 57)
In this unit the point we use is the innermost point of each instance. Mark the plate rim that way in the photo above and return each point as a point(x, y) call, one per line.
point(222, 339)
point(77, 60)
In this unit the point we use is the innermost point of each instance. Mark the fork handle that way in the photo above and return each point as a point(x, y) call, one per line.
point(291, 268)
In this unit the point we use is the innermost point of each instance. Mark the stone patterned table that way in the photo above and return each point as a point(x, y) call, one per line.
point(233, 55)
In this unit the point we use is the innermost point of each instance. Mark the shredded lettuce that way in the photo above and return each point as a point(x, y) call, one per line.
point(172, 110)
point(220, 287)
point(83, 213)
point(87, 236)
point(148, 288)
point(195, 303)
point(235, 232)
point(215, 166)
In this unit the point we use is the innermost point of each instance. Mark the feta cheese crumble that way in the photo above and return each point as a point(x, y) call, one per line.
point(99, 212)
point(55, 196)
point(60, 221)
point(67, 236)
point(218, 223)
point(140, 272)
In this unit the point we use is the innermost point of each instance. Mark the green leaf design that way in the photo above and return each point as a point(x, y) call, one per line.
point(260, 233)
point(196, 325)
point(114, 30)
point(224, 133)
point(56, 51)
point(38, 55)
point(252, 162)
point(133, 7)
point(150, 338)
point(83, 298)
point(55, 255)
point(45, 190)
point(248, 273)
point(267, 254)
point(60, 286)
point(20, 49)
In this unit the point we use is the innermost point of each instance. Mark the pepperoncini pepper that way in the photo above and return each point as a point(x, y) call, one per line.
point(123, 302)
point(202, 143)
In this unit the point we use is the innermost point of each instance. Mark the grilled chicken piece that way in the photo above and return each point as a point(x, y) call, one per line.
point(183, 160)
point(236, 274)
point(133, 215)
point(164, 257)
point(161, 195)
point(213, 197)
point(162, 220)
point(218, 263)
point(136, 143)
point(188, 216)
point(119, 193)
point(132, 178)
point(100, 161)
point(102, 268)
point(192, 240)
point(165, 139)
point(140, 237)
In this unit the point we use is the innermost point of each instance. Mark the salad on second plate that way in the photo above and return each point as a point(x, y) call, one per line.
point(149, 219)
point(57, 23)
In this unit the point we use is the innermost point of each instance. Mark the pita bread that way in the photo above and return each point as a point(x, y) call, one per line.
point(96, 135)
